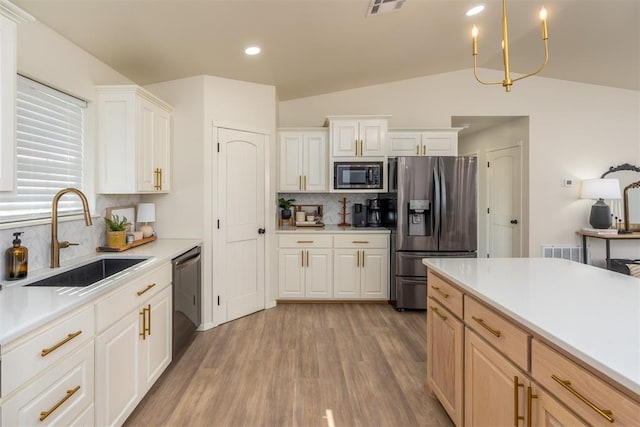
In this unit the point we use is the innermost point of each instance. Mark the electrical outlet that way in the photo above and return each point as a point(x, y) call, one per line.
point(567, 182)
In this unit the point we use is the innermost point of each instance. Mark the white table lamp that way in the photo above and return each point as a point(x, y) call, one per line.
point(146, 214)
point(600, 189)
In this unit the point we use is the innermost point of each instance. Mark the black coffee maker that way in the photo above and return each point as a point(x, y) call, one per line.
point(374, 217)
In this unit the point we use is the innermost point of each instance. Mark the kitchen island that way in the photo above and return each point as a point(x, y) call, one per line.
point(565, 332)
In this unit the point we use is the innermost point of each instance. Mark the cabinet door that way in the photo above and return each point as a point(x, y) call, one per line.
point(346, 273)
point(490, 386)
point(318, 273)
point(291, 149)
point(373, 135)
point(117, 384)
point(445, 336)
point(291, 273)
point(315, 162)
point(7, 103)
point(548, 412)
point(404, 143)
point(374, 276)
point(162, 150)
point(440, 143)
point(145, 148)
point(155, 353)
point(344, 134)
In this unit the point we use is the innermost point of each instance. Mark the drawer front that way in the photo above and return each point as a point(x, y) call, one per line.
point(59, 397)
point(444, 293)
point(588, 396)
point(498, 331)
point(305, 241)
point(130, 296)
point(361, 240)
point(45, 348)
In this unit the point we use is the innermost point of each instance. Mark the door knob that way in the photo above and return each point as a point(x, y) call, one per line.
point(514, 221)
point(261, 230)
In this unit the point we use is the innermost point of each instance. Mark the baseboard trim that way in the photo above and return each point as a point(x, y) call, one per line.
point(332, 301)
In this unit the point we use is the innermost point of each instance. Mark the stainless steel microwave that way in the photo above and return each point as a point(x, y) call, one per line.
point(357, 175)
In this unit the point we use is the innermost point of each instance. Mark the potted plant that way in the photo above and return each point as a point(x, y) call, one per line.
point(116, 230)
point(285, 205)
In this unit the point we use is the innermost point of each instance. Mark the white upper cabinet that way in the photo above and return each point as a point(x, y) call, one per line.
point(358, 136)
point(7, 103)
point(436, 142)
point(303, 161)
point(134, 141)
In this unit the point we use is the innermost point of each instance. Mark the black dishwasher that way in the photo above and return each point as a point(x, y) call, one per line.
point(186, 298)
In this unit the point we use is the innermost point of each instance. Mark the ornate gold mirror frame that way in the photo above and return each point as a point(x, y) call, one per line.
point(628, 225)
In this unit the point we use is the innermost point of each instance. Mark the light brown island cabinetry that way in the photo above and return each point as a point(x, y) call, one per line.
point(511, 376)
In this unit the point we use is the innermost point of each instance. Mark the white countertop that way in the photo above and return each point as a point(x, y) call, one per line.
point(592, 313)
point(25, 308)
point(332, 228)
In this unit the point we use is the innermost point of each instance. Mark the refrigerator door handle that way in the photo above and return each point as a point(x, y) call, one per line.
point(436, 196)
point(443, 190)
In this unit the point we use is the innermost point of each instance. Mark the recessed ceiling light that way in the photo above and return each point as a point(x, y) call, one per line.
point(253, 50)
point(475, 10)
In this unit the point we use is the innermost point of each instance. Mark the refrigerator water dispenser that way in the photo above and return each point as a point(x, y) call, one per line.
point(419, 218)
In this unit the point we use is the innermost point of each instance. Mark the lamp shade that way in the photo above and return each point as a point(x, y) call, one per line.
point(146, 212)
point(601, 188)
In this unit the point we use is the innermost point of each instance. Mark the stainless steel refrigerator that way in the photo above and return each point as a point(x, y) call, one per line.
point(436, 214)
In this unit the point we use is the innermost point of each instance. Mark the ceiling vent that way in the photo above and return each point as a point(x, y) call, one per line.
point(378, 7)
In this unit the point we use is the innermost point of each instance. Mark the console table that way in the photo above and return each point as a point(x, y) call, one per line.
point(607, 238)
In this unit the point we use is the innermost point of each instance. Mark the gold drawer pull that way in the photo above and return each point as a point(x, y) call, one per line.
point(440, 315)
point(145, 289)
point(495, 332)
point(45, 414)
point(516, 386)
point(605, 413)
point(69, 337)
point(438, 290)
point(360, 241)
point(305, 241)
point(530, 397)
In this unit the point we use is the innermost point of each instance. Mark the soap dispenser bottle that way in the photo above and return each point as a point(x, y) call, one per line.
point(16, 259)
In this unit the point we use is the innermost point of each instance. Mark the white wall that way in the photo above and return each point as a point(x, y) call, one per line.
point(200, 103)
point(47, 57)
point(576, 130)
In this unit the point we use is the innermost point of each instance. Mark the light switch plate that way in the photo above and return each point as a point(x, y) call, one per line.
point(567, 182)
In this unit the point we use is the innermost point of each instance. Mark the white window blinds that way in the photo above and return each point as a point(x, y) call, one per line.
point(49, 151)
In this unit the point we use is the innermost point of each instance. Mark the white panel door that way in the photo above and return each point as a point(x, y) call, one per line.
point(162, 148)
point(404, 143)
point(373, 135)
point(241, 191)
point(318, 273)
point(156, 347)
point(346, 273)
point(146, 117)
point(503, 192)
point(315, 162)
point(291, 273)
point(440, 143)
point(291, 148)
point(344, 134)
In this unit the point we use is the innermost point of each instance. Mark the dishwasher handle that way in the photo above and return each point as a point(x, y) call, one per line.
point(184, 263)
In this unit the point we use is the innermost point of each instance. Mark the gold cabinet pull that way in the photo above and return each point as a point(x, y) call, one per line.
point(362, 259)
point(360, 241)
point(157, 175)
point(436, 311)
point(530, 397)
point(495, 332)
point(418, 149)
point(307, 258)
point(305, 241)
point(305, 182)
point(440, 291)
point(358, 259)
point(145, 289)
point(300, 182)
point(69, 337)
point(143, 330)
point(302, 259)
point(45, 414)
point(516, 386)
point(604, 413)
point(356, 147)
point(149, 319)
point(424, 150)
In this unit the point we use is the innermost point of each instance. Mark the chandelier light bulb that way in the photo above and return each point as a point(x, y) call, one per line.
point(543, 14)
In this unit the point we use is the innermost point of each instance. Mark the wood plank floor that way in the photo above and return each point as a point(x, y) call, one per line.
point(288, 365)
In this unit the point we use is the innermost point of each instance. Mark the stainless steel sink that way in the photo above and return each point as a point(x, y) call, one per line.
point(89, 274)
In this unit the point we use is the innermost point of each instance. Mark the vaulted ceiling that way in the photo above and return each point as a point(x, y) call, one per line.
point(311, 47)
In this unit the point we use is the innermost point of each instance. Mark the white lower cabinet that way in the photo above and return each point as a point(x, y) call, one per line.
point(131, 355)
point(63, 395)
point(333, 266)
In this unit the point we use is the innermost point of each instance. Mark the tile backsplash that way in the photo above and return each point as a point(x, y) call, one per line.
point(37, 238)
point(331, 202)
